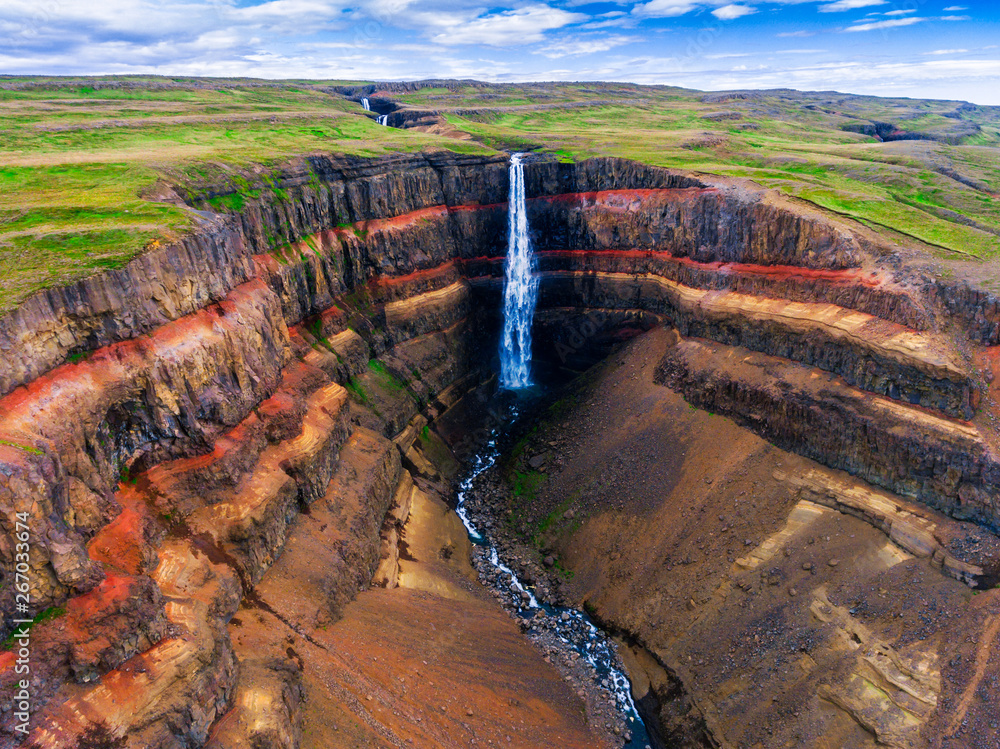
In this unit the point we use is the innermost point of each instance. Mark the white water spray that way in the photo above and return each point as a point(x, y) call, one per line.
point(383, 119)
point(520, 289)
point(366, 105)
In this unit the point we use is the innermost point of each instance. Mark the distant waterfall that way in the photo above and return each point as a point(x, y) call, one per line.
point(520, 289)
point(366, 105)
point(383, 119)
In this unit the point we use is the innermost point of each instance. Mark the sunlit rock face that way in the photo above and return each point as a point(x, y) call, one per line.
point(164, 427)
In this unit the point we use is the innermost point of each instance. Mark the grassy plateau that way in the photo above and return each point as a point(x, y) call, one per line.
point(81, 159)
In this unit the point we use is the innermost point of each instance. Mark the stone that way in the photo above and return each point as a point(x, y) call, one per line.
point(539, 460)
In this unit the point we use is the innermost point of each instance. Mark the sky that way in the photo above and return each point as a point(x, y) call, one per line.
point(917, 48)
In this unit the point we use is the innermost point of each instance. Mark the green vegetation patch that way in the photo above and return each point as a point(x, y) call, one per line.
point(527, 484)
point(78, 158)
point(24, 448)
point(49, 613)
point(385, 378)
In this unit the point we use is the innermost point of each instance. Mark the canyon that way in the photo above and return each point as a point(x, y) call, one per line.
point(235, 454)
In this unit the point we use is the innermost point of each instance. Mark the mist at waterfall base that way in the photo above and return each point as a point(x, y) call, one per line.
point(520, 287)
point(503, 414)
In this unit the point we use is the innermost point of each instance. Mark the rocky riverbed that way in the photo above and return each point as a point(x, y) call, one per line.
point(585, 656)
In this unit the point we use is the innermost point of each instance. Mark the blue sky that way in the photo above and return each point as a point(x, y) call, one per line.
point(920, 48)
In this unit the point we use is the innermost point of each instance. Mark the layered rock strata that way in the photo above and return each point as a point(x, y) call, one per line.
point(164, 426)
point(763, 599)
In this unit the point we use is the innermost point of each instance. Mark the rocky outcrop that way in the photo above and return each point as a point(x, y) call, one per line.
point(165, 427)
point(769, 600)
point(945, 464)
point(600, 203)
point(161, 285)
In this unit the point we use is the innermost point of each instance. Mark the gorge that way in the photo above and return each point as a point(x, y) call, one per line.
point(235, 455)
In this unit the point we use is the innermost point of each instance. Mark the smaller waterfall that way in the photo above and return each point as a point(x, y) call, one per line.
point(383, 119)
point(366, 105)
point(520, 289)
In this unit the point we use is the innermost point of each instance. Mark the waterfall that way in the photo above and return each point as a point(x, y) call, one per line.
point(520, 289)
point(366, 105)
point(383, 119)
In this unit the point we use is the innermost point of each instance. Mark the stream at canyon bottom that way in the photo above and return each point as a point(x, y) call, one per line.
point(573, 629)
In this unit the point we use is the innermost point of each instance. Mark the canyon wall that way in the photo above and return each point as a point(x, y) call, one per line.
point(163, 426)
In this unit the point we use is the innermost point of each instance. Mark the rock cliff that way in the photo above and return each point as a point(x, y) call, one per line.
point(164, 427)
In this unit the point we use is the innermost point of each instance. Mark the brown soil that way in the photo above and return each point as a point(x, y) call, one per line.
point(685, 531)
point(432, 663)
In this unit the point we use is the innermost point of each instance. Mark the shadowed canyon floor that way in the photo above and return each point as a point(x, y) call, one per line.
point(788, 623)
point(431, 661)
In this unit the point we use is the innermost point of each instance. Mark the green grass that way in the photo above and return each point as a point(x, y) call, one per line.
point(44, 616)
point(77, 159)
point(386, 379)
point(24, 448)
point(80, 158)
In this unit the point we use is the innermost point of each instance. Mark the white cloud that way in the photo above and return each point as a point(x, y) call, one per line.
point(842, 5)
point(875, 26)
point(901, 12)
point(586, 45)
point(664, 8)
point(615, 22)
point(511, 27)
point(953, 8)
point(412, 39)
point(732, 12)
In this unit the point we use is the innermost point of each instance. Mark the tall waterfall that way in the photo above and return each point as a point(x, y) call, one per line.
point(366, 105)
point(520, 289)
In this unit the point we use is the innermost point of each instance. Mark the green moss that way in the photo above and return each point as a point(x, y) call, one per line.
point(24, 448)
point(126, 477)
point(526, 484)
point(565, 573)
point(357, 391)
point(553, 517)
point(385, 378)
point(46, 615)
